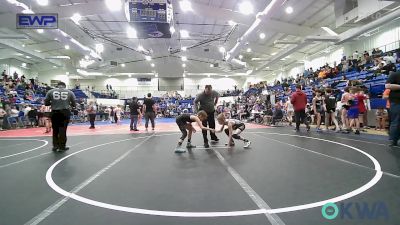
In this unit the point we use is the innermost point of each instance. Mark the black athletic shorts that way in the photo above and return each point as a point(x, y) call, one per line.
point(331, 110)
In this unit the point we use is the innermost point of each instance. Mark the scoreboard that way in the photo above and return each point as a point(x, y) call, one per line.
point(151, 18)
point(148, 11)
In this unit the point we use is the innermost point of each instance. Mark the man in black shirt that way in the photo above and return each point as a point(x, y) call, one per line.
point(135, 113)
point(149, 111)
point(207, 100)
point(61, 100)
point(393, 83)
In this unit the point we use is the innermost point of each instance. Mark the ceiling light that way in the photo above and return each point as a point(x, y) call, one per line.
point(184, 58)
point(185, 5)
point(42, 2)
point(99, 48)
point(28, 57)
point(262, 36)
point(129, 75)
point(156, 75)
point(246, 8)
point(289, 10)
point(131, 32)
point(183, 75)
point(274, 53)
point(147, 57)
point(231, 23)
point(184, 34)
point(222, 49)
point(329, 31)
point(211, 65)
point(114, 5)
point(67, 73)
point(109, 75)
point(26, 11)
point(37, 51)
point(240, 56)
point(86, 57)
point(76, 18)
point(248, 50)
point(208, 75)
point(140, 48)
point(23, 45)
point(184, 49)
point(23, 64)
point(56, 39)
point(172, 30)
point(40, 31)
point(54, 66)
point(226, 75)
point(184, 65)
point(66, 47)
point(123, 65)
point(152, 65)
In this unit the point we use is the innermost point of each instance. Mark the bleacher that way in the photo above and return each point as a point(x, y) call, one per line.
point(79, 93)
point(100, 95)
point(375, 84)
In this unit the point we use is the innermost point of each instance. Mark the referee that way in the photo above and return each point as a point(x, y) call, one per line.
point(60, 99)
point(207, 100)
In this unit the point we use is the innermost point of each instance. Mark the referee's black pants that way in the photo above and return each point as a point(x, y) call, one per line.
point(210, 122)
point(60, 121)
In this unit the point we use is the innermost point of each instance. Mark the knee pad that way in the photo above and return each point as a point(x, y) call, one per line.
point(236, 136)
point(227, 132)
point(184, 135)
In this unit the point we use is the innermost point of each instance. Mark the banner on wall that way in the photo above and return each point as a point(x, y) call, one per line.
point(151, 18)
point(144, 81)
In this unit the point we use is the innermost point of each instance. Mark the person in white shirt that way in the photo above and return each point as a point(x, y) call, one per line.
point(355, 55)
point(389, 58)
point(26, 110)
point(14, 112)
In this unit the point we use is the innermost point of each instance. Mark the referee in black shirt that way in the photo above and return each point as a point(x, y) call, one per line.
point(60, 99)
point(149, 111)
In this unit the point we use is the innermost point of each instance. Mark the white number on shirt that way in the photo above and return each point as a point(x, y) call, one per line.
point(60, 95)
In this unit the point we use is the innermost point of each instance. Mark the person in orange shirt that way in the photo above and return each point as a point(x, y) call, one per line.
point(322, 74)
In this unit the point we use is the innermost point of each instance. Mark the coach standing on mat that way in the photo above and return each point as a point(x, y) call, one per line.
point(149, 111)
point(207, 100)
point(393, 83)
point(60, 100)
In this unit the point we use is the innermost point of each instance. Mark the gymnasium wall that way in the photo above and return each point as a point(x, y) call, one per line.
point(13, 65)
point(128, 87)
point(387, 38)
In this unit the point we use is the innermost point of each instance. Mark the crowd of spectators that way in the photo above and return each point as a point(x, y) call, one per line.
point(267, 104)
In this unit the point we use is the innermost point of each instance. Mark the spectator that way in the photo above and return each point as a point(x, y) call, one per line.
point(299, 101)
point(2, 116)
point(318, 107)
point(15, 75)
point(135, 114)
point(33, 117)
point(393, 83)
point(381, 118)
point(277, 114)
point(385, 95)
point(91, 110)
